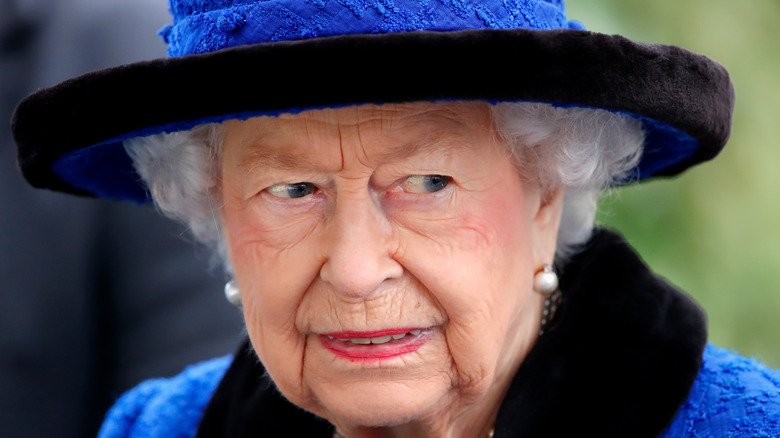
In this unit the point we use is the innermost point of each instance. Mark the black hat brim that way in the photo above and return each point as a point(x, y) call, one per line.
point(687, 98)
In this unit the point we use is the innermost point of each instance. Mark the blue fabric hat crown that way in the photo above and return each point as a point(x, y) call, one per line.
point(201, 26)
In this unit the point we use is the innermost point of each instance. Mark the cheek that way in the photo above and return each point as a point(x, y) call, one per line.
point(266, 259)
point(478, 268)
point(490, 253)
point(481, 237)
point(273, 273)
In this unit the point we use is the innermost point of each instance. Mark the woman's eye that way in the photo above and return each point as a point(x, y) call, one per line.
point(296, 190)
point(426, 183)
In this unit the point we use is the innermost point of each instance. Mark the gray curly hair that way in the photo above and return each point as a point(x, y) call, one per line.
point(585, 150)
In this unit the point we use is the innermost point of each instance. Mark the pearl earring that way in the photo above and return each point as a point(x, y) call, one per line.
point(232, 293)
point(546, 284)
point(545, 281)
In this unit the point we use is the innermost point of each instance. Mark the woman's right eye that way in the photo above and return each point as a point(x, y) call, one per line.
point(292, 191)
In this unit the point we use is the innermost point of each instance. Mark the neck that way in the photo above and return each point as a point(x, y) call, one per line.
point(412, 431)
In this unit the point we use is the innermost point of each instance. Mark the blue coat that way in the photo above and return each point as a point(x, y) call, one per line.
point(624, 358)
point(732, 397)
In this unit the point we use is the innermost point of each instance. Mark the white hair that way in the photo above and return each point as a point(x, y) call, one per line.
point(584, 150)
point(182, 172)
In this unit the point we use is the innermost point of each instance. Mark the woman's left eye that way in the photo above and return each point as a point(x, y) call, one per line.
point(292, 191)
point(426, 183)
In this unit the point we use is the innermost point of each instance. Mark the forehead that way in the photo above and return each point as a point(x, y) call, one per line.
point(388, 116)
point(389, 130)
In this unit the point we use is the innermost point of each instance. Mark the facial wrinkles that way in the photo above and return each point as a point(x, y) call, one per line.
point(277, 334)
point(403, 302)
point(473, 376)
point(356, 209)
point(386, 304)
point(352, 185)
point(386, 135)
point(383, 135)
point(413, 238)
point(480, 236)
point(475, 234)
point(278, 238)
point(276, 331)
point(468, 231)
point(315, 129)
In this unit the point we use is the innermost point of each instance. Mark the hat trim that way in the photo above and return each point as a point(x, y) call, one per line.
point(665, 84)
point(86, 169)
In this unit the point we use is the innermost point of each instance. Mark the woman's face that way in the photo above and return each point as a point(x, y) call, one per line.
point(385, 257)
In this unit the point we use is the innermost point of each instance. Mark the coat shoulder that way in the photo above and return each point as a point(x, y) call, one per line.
point(169, 407)
point(732, 397)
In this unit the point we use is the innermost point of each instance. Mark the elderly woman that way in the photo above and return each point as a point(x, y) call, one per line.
point(396, 206)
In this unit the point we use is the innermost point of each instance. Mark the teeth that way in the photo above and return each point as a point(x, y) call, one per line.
point(379, 339)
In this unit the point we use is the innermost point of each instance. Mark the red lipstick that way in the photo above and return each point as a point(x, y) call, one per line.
point(361, 346)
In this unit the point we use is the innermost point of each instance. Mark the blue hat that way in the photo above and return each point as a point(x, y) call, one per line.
point(244, 58)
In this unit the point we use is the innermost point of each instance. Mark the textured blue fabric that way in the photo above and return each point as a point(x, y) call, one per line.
point(104, 170)
point(165, 408)
point(203, 26)
point(733, 397)
point(665, 146)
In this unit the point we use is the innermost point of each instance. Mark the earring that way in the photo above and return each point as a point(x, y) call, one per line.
point(546, 284)
point(546, 281)
point(232, 293)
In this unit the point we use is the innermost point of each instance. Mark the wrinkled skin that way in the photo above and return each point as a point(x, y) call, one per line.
point(369, 247)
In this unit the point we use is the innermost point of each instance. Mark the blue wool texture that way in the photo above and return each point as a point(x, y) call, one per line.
point(205, 26)
point(733, 397)
point(166, 408)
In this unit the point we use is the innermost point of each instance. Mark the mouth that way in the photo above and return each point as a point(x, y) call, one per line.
point(375, 345)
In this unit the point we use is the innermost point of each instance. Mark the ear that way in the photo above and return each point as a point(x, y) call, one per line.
point(546, 223)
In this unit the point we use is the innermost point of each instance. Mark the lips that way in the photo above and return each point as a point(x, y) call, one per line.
point(376, 339)
point(375, 345)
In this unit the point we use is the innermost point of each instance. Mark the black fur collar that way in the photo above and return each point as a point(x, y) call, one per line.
point(620, 360)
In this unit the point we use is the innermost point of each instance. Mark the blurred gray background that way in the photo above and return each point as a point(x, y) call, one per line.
point(95, 296)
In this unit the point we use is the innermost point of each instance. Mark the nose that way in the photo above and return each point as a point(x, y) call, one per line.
point(359, 249)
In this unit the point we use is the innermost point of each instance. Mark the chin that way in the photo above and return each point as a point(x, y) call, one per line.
point(381, 404)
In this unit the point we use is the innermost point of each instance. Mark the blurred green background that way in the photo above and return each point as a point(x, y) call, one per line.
point(714, 231)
